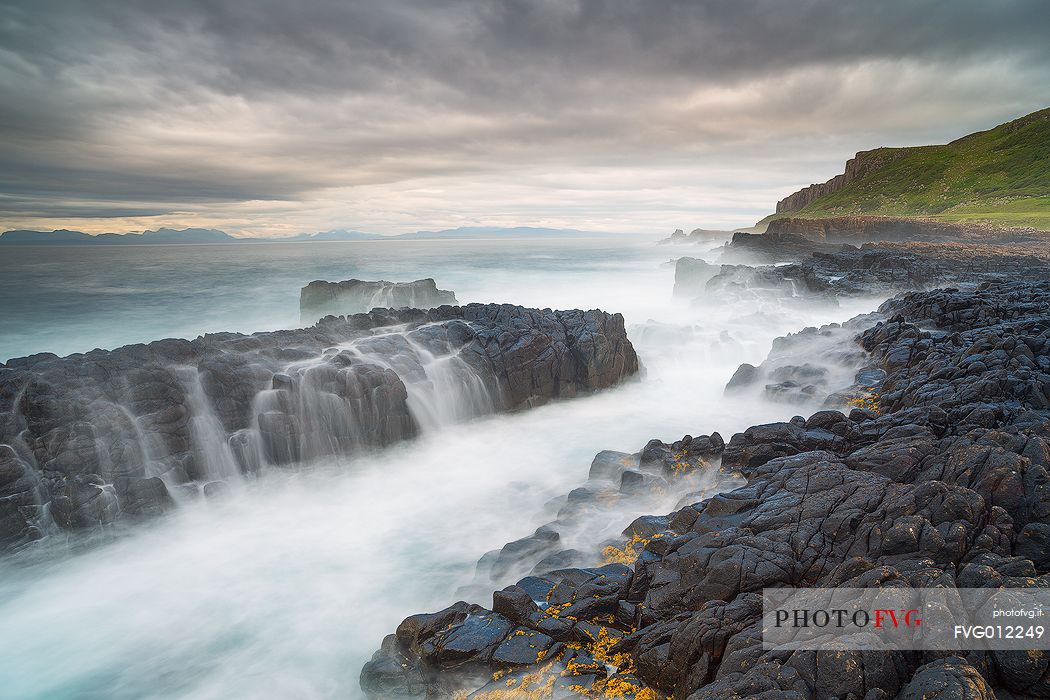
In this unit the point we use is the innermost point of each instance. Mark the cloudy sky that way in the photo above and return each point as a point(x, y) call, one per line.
point(274, 118)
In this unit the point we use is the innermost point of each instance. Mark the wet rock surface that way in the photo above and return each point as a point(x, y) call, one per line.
point(821, 271)
point(775, 247)
point(804, 367)
point(319, 298)
point(103, 436)
point(936, 475)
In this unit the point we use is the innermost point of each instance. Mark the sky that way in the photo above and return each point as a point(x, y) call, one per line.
point(273, 118)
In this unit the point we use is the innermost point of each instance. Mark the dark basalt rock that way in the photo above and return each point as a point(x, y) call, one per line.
point(736, 282)
point(802, 367)
point(687, 453)
point(941, 479)
point(22, 493)
point(822, 271)
point(688, 466)
point(541, 542)
point(774, 247)
point(947, 679)
point(102, 436)
point(791, 391)
point(319, 298)
point(745, 375)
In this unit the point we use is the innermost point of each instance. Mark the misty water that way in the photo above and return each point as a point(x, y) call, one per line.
point(285, 588)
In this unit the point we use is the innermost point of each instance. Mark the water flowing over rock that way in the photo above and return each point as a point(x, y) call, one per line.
point(937, 476)
point(96, 437)
point(319, 299)
point(658, 476)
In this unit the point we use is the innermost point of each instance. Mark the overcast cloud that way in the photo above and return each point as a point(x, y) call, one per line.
point(274, 118)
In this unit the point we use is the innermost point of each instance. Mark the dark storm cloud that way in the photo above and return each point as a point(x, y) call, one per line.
point(176, 104)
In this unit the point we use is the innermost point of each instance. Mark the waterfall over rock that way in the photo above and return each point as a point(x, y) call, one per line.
point(95, 437)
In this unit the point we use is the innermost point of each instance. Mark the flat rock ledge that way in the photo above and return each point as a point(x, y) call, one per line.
point(936, 476)
point(94, 438)
point(821, 272)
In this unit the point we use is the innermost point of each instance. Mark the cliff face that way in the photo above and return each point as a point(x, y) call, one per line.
point(864, 163)
point(864, 229)
point(1000, 176)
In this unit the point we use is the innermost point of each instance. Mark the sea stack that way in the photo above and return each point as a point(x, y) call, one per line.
point(319, 298)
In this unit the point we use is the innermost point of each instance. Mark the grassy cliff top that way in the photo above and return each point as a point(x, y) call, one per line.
point(1000, 176)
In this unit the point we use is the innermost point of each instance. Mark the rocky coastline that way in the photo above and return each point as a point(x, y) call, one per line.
point(923, 462)
point(934, 474)
point(106, 436)
point(783, 264)
point(927, 467)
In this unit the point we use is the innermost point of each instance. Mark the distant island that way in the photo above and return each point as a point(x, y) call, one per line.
point(999, 177)
point(199, 236)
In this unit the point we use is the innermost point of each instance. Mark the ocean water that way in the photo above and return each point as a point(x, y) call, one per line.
point(66, 299)
point(285, 589)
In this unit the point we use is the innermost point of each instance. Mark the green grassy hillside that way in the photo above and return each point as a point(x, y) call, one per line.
point(1000, 176)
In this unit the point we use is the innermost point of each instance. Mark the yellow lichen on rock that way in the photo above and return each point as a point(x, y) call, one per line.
point(628, 555)
point(537, 685)
point(869, 401)
point(680, 465)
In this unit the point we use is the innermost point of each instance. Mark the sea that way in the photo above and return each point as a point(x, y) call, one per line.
point(285, 589)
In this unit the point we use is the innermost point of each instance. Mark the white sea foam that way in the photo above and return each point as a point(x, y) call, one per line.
point(285, 587)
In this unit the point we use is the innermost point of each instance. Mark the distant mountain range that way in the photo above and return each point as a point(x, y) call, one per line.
point(198, 236)
point(164, 235)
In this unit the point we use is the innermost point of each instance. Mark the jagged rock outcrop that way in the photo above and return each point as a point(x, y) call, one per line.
point(105, 435)
point(697, 235)
point(319, 299)
point(677, 237)
point(938, 476)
